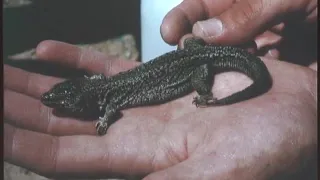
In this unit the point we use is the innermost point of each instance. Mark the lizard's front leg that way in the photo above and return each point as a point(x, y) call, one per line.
point(102, 124)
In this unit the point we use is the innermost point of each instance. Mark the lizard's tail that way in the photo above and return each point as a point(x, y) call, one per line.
point(256, 70)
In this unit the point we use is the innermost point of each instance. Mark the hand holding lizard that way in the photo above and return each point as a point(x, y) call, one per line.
point(172, 141)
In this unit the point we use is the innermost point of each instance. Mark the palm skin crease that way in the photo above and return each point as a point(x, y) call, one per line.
point(160, 80)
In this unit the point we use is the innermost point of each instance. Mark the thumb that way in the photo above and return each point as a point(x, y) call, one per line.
point(243, 20)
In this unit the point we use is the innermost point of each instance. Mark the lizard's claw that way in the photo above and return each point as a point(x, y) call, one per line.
point(195, 101)
point(204, 101)
point(101, 126)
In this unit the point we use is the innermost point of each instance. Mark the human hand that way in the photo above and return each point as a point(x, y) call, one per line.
point(253, 139)
point(236, 22)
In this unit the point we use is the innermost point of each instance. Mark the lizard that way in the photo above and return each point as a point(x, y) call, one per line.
point(165, 78)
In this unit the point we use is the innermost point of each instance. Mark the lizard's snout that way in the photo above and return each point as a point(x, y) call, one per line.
point(46, 98)
point(55, 101)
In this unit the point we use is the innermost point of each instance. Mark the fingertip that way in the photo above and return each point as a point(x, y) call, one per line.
point(278, 28)
point(44, 48)
point(208, 29)
point(174, 25)
point(166, 30)
point(52, 50)
point(180, 19)
point(268, 39)
point(167, 35)
point(220, 32)
point(273, 54)
point(238, 24)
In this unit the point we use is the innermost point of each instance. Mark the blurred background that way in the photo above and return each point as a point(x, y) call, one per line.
point(112, 27)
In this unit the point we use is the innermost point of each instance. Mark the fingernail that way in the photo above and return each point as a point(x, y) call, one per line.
point(273, 53)
point(208, 28)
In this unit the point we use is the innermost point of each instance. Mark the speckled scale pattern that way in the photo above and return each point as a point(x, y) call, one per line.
point(165, 78)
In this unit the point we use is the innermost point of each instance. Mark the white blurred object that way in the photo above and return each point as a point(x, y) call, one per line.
point(152, 14)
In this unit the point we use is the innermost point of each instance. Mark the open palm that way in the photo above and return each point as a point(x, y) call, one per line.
point(253, 139)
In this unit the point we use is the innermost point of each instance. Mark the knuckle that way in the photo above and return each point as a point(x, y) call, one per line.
point(46, 115)
point(251, 10)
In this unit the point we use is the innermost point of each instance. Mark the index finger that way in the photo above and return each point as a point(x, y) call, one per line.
point(179, 20)
point(83, 58)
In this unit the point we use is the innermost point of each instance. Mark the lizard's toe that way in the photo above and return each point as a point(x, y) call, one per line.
point(203, 101)
point(196, 101)
point(101, 128)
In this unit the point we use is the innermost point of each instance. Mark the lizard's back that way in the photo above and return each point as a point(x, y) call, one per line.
point(169, 76)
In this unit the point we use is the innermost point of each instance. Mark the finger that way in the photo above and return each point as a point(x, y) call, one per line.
point(272, 54)
point(244, 20)
point(278, 28)
point(267, 44)
point(180, 19)
point(28, 83)
point(29, 113)
point(76, 156)
point(267, 39)
point(312, 12)
point(83, 58)
point(32, 150)
point(250, 46)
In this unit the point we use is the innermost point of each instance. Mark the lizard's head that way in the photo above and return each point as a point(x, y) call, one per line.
point(68, 95)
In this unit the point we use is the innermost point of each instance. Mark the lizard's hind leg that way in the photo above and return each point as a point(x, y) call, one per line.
point(201, 81)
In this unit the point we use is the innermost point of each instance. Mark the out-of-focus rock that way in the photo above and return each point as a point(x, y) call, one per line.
point(123, 47)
